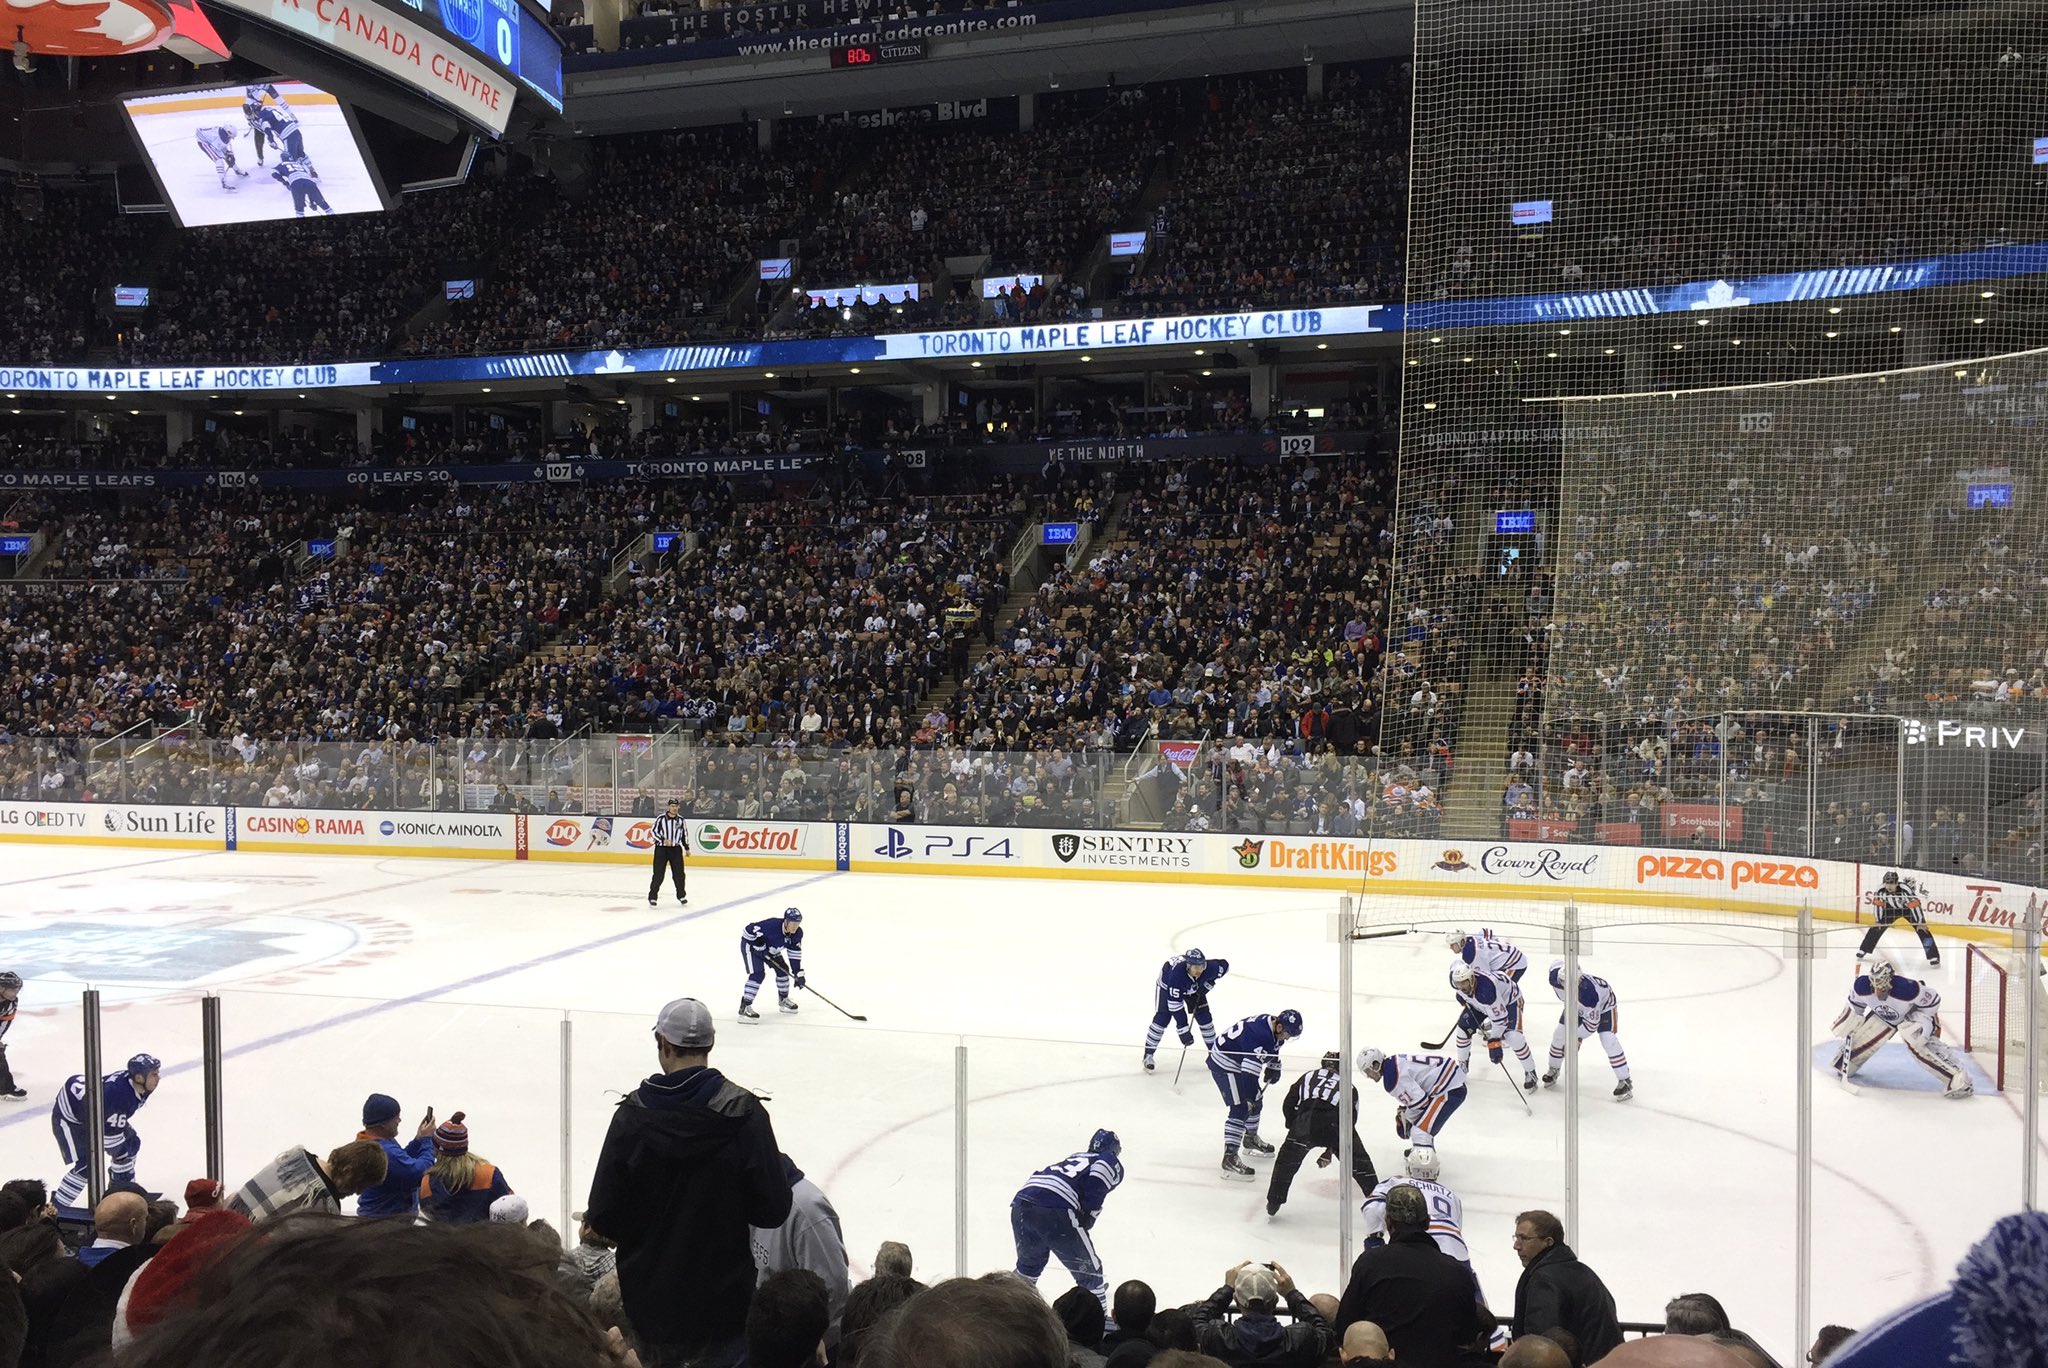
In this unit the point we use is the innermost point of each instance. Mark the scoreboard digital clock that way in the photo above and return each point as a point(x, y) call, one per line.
point(881, 54)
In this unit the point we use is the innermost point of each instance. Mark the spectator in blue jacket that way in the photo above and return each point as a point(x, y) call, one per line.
point(399, 1193)
point(461, 1186)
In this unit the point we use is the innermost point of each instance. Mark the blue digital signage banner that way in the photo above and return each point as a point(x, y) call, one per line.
point(1051, 339)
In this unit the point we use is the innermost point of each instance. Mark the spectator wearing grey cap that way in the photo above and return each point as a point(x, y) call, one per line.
point(689, 1164)
point(1257, 1336)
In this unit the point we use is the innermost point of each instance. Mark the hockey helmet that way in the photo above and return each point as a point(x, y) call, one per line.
point(791, 914)
point(1104, 1141)
point(144, 1064)
point(1462, 977)
point(1455, 939)
point(1557, 974)
point(1422, 1163)
point(10, 979)
point(1290, 1022)
point(1881, 975)
point(1370, 1061)
point(227, 134)
point(1891, 876)
point(1194, 956)
point(1332, 1061)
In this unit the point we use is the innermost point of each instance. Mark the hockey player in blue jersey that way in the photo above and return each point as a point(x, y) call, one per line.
point(1884, 1002)
point(1243, 1063)
point(276, 119)
point(1599, 1011)
point(1053, 1212)
point(1183, 991)
point(121, 1096)
point(778, 944)
point(296, 175)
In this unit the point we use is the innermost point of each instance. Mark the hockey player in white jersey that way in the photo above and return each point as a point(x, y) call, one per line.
point(1492, 1009)
point(1427, 1090)
point(218, 143)
point(1484, 950)
point(1446, 1212)
point(1599, 1013)
point(1883, 1003)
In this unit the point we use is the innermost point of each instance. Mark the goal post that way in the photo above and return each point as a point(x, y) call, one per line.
point(1995, 999)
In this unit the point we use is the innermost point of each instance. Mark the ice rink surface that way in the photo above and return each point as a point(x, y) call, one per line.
point(449, 983)
point(193, 183)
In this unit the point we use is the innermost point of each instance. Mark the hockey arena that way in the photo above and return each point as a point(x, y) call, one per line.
point(1024, 684)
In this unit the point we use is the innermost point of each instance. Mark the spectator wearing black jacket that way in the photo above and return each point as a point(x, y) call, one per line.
point(1423, 1298)
point(689, 1164)
point(1257, 1339)
point(1557, 1290)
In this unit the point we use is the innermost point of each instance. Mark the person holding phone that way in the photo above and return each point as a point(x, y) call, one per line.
point(399, 1193)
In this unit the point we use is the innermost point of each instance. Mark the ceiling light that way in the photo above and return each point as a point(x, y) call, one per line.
point(1735, 342)
point(1564, 332)
point(1429, 406)
point(696, 398)
point(1608, 352)
point(1835, 309)
point(1961, 373)
point(769, 374)
point(1322, 346)
point(1198, 351)
point(111, 396)
point(1551, 355)
point(487, 389)
point(14, 410)
point(302, 396)
point(671, 380)
point(238, 413)
point(1974, 320)
point(1678, 346)
point(1087, 358)
point(1830, 335)
point(1208, 372)
point(1701, 321)
point(134, 413)
point(1466, 359)
point(853, 370)
point(1897, 328)
point(10, 394)
point(1436, 341)
point(1413, 362)
point(1988, 294)
point(975, 364)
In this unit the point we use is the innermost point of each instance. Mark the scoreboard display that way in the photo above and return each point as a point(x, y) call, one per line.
point(506, 33)
point(858, 55)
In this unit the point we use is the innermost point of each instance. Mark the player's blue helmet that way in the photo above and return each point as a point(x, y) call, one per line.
point(792, 914)
point(1194, 956)
point(1105, 1142)
point(1290, 1022)
point(144, 1064)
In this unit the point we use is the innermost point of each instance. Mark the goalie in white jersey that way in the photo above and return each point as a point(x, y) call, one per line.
point(1599, 1014)
point(1493, 1009)
point(1884, 1003)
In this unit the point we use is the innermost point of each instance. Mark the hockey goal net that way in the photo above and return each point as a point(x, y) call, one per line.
point(1995, 1014)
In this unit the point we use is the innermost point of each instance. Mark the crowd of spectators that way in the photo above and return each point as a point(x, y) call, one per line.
point(1280, 199)
point(1692, 154)
point(50, 304)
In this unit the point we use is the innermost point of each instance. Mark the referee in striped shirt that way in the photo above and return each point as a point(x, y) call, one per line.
point(670, 841)
point(1311, 1112)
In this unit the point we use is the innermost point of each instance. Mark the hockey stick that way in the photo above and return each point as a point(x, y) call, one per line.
point(850, 1016)
point(1182, 1065)
point(1513, 1082)
point(1439, 1044)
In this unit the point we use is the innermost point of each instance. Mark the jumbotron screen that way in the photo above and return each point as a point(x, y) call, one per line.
point(254, 153)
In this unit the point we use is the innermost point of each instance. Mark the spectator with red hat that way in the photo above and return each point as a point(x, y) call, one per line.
point(163, 1284)
point(461, 1186)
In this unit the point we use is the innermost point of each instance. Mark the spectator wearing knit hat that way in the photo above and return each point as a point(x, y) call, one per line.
point(461, 1186)
point(399, 1193)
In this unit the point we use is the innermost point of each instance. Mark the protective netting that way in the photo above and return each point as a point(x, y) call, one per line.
point(1721, 433)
